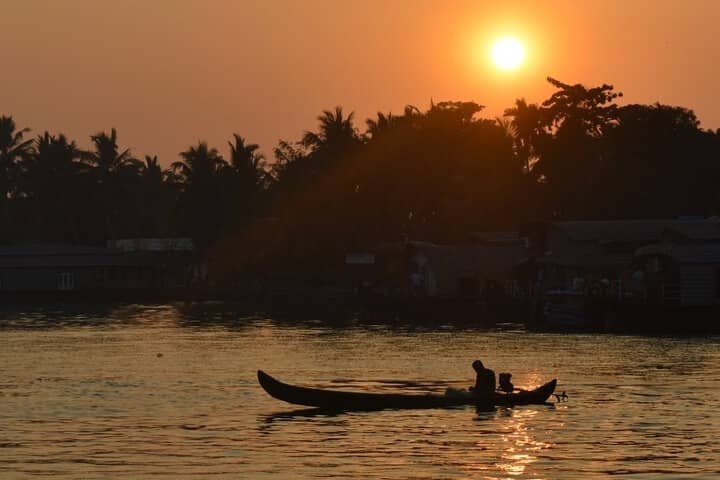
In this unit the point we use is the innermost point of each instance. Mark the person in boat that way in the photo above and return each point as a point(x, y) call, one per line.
point(505, 385)
point(484, 381)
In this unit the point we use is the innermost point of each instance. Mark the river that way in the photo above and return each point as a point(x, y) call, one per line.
point(171, 392)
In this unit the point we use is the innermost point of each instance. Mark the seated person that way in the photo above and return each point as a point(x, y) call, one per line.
point(505, 383)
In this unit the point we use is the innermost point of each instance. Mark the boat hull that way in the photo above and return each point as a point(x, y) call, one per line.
point(340, 400)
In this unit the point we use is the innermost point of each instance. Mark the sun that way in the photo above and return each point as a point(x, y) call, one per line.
point(508, 53)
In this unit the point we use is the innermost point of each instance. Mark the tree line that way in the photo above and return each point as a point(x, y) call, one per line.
point(437, 174)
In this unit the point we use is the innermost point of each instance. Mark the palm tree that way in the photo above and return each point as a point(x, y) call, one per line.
point(528, 123)
point(13, 149)
point(198, 164)
point(113, 174)
point(381, 125)
point(151, 171)
point(12, 145)
point(50, 180)
point(247, 163)
point(336, 132)
point(107, 159)
point(200, 175)
point(506, 125)
point(157, 194)
point(411, 111)
point(248, 180)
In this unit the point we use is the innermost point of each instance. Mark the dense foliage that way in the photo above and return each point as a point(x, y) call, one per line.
point(438, 174)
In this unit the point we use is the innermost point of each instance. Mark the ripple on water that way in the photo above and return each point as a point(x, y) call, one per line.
point(85, 395)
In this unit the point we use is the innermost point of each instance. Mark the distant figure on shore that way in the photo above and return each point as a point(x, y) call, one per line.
point(505, 383)
point(484, 381)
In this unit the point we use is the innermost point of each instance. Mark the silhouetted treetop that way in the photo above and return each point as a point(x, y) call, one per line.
point(528, 127)
point(435, 173)
point(13, 149)
point(248, 164)
point(335, 132)
point(586, 109)
point(12, 145)
point(107, 157)
point(463, 112)
point(151, 170)
point(199, 163)
point(380, 125)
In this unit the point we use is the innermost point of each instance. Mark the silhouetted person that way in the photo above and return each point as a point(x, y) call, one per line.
point(505, 383)
point(484, 381)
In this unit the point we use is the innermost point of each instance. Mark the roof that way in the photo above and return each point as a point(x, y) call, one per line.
point(698, 230)
point(638, 230)
point(505, 238)
point(588, 261)
point(48, 249)
point(564, 293)
point(708, 253)
point(472, 259)
point(153, 244)
point(66, 256)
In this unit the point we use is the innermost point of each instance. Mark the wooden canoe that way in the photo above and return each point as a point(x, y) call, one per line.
point(339, 400)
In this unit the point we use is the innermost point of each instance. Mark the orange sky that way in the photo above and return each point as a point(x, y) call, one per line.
point(167, 73)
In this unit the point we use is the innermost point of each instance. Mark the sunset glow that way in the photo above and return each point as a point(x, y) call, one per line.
point(508, 53)
point(373, 239)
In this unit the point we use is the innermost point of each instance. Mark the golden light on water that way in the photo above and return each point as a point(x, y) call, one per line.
point(522, 448)
point(508, 53)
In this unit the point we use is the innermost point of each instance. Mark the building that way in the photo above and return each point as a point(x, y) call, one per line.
point(640, 275)
point(416, 268)
point(93, 270)
point(604, 249)
point(685, 274)
point(418, 281)
point(462, 270)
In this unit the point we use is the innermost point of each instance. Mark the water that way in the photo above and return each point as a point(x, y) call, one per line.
point(171, 391)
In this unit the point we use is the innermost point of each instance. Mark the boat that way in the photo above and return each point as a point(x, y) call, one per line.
point(336, 400)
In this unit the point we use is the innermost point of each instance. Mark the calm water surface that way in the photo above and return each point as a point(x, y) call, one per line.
point(171, 391)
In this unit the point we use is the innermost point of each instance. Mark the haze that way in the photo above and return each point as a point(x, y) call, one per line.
point(167, 73)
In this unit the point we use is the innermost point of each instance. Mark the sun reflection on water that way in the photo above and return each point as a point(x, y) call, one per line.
point(521, 446)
